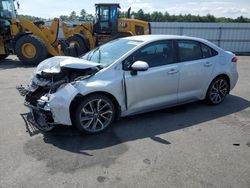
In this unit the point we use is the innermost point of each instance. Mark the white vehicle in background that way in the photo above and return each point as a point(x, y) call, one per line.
point(128, 76)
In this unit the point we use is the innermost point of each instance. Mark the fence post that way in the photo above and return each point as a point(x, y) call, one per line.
point(219, 38)
point(181, 30)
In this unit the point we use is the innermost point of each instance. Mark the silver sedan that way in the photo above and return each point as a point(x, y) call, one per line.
point(128, 76)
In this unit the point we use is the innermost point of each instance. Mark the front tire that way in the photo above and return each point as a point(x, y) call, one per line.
point(31, 50)
point(217, 91)
point(94, 114)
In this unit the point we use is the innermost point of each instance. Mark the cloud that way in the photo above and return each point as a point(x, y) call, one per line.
point(227, 8)
point(133, 1)
point(217, 8)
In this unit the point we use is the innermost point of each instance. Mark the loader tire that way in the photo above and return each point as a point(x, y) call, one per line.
point(79, 42)
point(64, 45)
point(3, 56)
point(31, 50)
point(72, 50)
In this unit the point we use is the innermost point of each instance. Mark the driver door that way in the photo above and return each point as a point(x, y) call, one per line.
point(158, 85)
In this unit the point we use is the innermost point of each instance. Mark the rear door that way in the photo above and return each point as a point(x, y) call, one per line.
point(196, 66)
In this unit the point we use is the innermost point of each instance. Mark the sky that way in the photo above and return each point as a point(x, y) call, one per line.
point(53, 8)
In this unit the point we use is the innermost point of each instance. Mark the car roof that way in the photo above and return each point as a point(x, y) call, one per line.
point(149, 38)
point(152, 38)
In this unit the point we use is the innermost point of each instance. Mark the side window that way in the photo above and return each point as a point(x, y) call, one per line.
point(207, 51)
point(104, 13)
point(155, 54)
point(189, 50)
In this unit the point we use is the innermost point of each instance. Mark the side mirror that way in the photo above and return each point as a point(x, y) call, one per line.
point(139, 66)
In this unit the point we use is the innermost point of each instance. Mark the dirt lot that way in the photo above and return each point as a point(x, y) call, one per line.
point(194, 145)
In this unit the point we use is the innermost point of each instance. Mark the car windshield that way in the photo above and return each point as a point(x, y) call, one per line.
point(110, 52)
point(7, 9)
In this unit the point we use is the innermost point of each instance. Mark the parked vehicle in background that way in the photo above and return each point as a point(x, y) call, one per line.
point(32, 42)
point(107, 26)
point(128, 76)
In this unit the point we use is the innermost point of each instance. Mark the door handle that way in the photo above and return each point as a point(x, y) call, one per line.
point(173, 71)
point(207, 64)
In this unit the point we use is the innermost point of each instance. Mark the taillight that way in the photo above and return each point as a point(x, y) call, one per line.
point(234, 60)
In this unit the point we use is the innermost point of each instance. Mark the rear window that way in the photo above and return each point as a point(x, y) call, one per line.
point(207, 51)
point(189, 50)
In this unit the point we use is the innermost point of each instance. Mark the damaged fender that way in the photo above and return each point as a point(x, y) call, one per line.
point(60, 104)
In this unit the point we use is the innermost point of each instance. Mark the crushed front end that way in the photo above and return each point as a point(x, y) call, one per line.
point(52, 90)
point(36, 99)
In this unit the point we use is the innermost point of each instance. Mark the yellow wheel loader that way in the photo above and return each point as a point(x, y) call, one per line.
point(32, 42)
point(108, 26)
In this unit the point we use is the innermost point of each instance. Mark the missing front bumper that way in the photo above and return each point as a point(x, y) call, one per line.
point(55, 106)
point(23, 91)
point(40, 118)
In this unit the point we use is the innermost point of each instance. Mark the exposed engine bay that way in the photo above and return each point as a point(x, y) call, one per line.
point(49, 76)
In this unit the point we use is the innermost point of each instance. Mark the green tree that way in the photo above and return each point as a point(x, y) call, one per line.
point(73, 16)
point(140, 15)
point(64, 18)
point(150, 17)
point(83, 15)
point(89, 17)
point(211, 18)
point(157, 17)
point(30, 18)
point(242, 19)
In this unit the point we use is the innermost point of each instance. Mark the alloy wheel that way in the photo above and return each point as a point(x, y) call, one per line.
point(96, 115)
point(218, 91)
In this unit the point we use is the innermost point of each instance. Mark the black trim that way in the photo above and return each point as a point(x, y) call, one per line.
point(56, 33)
point(149, 27)
point(214, 52)
point(125, 91)
point(178, 55)
point(108, 4)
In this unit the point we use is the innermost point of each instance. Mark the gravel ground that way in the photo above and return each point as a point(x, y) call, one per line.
point(193, 145)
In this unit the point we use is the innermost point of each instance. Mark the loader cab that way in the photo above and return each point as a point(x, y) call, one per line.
point(7, 9)
point(106, 18)
point(7, 12)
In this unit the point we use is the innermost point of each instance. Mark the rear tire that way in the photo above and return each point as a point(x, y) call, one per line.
point(31, 50)
point(94, 114)
point(79, 43)
point(217, 91)
point(3, 56)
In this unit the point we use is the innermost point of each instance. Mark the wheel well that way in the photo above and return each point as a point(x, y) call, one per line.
point(226, 77)
point(110, 96)
point(16, 38)
point(19, 35)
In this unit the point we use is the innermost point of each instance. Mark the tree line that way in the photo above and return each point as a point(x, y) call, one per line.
point(149, 17)
point(166, 17)
point(84, 16)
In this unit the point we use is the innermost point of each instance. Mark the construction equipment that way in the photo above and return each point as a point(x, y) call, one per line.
point(108, 26)
point(32, 42)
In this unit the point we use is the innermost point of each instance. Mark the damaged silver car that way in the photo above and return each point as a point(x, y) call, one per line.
point(125, 77)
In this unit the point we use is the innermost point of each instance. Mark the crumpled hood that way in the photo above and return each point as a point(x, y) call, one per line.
point(54, 64)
